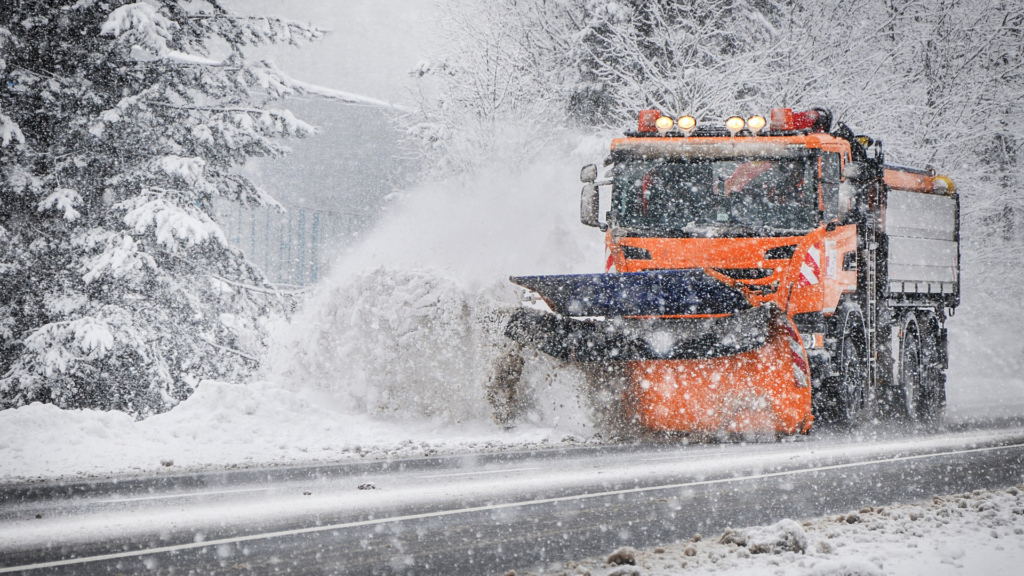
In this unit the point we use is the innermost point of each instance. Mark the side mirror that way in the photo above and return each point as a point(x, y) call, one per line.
point(590, 207)
point(847, 201)
point(588, 174)
point(854, 170)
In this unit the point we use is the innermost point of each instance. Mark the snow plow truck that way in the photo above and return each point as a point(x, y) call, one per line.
point(759, 275)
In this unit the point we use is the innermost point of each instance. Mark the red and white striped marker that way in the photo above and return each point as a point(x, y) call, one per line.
point(810, 268)
point(801, 370)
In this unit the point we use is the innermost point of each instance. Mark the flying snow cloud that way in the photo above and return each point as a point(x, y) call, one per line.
point(409, 323)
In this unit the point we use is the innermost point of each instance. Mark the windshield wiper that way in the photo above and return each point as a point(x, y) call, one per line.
point(779, 232)
point(738, 230)
point(721, 231)
point(747, 231)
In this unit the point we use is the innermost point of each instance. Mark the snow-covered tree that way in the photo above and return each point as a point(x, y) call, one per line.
point(692, 56)
point(919, 73)
point(942, 83)
point(120, 123)
point(511, 73)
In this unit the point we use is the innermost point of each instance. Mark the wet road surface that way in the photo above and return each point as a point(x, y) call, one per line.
point(481, 514)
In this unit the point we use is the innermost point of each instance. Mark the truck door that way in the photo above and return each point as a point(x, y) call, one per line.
point(840, 239)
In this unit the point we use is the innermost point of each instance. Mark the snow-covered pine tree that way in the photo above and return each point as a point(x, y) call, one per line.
point(120, 123)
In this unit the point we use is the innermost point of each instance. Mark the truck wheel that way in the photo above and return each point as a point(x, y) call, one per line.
point(910, 382)
point(843, 399)
point(933, 380)
point(854, 398)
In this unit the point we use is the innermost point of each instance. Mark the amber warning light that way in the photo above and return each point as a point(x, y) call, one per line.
point(649, 120)
point(786, 119)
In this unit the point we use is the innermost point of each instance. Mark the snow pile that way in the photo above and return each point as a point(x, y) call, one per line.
point(229, 426)
point(414, 343)
point(980, 532)
point(400, 342)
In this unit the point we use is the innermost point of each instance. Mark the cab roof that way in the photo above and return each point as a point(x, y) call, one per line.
point(794, 145)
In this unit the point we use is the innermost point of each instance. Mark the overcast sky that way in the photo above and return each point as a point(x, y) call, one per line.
point(371, 48)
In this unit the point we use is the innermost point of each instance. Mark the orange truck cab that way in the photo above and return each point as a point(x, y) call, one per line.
point(853, 265)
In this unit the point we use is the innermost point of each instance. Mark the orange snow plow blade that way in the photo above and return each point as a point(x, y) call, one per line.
point(697, 356)
point(766, 390)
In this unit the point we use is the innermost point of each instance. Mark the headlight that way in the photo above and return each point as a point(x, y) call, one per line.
point(664, 124)
point(756, 123)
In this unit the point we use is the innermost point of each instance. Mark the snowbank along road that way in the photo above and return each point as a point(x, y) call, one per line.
point(976, 532)
point(480, 513)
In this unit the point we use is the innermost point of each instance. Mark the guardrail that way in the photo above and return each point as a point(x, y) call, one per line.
point(294, 247)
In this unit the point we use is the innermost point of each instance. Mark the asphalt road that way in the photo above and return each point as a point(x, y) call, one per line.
point(480, 514)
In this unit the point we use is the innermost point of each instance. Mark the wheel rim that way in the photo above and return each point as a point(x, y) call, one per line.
point(910, 369)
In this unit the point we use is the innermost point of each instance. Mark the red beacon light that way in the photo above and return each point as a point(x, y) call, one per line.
point(649, 120)
point(786, 119)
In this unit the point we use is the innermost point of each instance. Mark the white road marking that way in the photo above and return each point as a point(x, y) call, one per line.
point(442, 513)
point(182, 495)
point(479, 472)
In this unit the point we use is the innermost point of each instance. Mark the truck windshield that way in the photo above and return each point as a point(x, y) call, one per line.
point(721, 197)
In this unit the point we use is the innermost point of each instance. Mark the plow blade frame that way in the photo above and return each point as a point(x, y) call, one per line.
point(632, 339)
point(683, 292)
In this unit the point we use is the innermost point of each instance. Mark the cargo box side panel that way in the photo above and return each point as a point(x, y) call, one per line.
point(917, 215)
point(922, 243)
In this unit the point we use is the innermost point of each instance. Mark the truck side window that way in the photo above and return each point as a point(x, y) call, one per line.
point(830, 175)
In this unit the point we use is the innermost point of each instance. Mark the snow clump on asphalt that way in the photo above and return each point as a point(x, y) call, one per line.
point(979, 532)
point(783, 536)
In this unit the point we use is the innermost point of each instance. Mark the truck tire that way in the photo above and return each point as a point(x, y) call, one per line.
point(917, 385)
point(844, 400)
point(933, 378)
point(855, 398)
